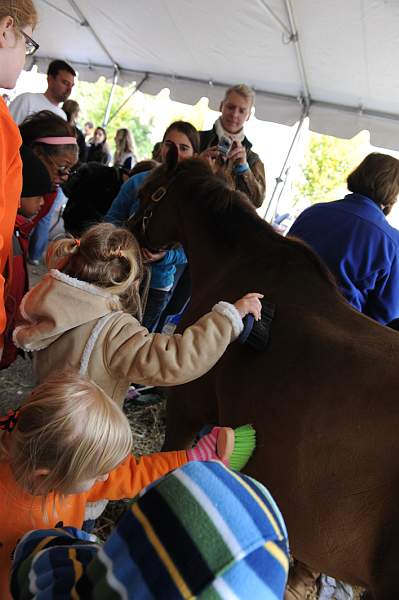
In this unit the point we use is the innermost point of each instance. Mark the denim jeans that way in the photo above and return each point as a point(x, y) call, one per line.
point(156, 302)
point(39, 238)
point(179, 295)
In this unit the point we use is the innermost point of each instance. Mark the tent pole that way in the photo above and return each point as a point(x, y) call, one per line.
point(291, 34)
point(136, 89)
point(111, 94)
point(301, 64)
point(272, 206)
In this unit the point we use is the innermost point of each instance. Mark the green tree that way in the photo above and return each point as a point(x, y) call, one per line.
point(327, 163)
point(93, 98)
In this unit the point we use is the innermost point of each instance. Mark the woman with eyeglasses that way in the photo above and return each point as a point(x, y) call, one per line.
point(17, 22)
point(53, 140)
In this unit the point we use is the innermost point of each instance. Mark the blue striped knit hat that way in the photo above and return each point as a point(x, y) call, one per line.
point(202, 531)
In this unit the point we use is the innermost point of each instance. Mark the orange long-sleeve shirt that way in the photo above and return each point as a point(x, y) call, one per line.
point(10, 192)
point(20, 512)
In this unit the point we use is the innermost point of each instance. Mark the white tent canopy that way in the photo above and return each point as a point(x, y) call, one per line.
point(334, 59)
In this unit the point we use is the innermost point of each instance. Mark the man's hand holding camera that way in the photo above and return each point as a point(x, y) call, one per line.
point(226, 151)
point(237, 154)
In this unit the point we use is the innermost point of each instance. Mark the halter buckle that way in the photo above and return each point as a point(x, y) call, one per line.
point(158, 194)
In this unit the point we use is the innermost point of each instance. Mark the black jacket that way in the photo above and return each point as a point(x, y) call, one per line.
point(252, 182)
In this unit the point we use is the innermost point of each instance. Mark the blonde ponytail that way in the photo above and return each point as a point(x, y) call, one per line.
point(59, 251)
point(106, 256)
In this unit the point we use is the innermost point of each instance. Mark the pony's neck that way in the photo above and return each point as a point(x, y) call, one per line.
point(205, 255)
point(212, 260)
point(251, 257)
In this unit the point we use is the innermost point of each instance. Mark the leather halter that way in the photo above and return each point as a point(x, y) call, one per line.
point(155, 198)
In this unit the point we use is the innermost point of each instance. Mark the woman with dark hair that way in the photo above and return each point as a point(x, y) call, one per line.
point(186, 139)
point(53, 140)
point(355, 240)
point(98, 149)
point(71, 108)
point(163, 265)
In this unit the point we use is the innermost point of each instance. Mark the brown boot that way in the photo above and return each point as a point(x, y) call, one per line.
point(301, 580)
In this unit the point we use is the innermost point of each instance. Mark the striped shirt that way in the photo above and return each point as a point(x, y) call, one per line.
point(202, 531)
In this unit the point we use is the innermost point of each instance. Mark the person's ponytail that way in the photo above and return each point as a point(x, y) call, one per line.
point(59, 252)
point(106, 256)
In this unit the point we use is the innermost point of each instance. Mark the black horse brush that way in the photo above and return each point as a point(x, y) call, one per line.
point(257, 333)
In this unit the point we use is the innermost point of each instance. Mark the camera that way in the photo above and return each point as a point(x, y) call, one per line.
point(224, 145)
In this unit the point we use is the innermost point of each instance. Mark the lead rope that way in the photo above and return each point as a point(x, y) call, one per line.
point(143, 297)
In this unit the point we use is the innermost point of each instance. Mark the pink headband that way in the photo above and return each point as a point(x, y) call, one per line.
point(57, 140)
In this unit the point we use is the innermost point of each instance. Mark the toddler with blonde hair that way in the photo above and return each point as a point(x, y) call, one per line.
point(67, 446)
point(83, 315)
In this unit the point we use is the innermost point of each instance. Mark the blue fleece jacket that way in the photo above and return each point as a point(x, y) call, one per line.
point(124, 206)
point(354, 239)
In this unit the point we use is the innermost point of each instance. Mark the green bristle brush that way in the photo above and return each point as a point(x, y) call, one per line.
point(236, 445)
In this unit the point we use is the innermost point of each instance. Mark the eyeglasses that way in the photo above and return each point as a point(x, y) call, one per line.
point(61, 171)
point(30, 45)
point(64, 171)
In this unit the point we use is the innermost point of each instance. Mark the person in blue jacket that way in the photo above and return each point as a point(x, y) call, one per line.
point(126, 203)
point(353, 237)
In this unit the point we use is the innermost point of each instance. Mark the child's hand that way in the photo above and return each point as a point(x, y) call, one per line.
point(250, 303)
point(150, 257)
point(216, 445)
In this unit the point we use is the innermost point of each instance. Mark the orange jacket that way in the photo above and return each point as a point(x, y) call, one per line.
point(10, 192)
point(20, 512)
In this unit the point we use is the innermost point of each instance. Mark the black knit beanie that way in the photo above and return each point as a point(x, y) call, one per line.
point(35, 177)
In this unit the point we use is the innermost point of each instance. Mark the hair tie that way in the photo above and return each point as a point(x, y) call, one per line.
point(8, 422)
point(77, 242)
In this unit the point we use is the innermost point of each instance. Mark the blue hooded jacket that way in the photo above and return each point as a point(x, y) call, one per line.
point(124, 206)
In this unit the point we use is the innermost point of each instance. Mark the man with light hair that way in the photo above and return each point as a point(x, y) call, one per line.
point(225, 144)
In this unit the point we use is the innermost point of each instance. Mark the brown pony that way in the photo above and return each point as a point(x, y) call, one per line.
point(324, 396)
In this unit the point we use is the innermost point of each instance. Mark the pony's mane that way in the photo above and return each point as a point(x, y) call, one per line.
point(227, 212)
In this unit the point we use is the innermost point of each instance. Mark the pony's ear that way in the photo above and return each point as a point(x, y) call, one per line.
point(172, 158)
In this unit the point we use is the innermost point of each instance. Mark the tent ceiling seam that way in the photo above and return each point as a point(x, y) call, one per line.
point(277, 19)
point(80, 14)
point(300, 61)
point(358, 110)
point(64, 13)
